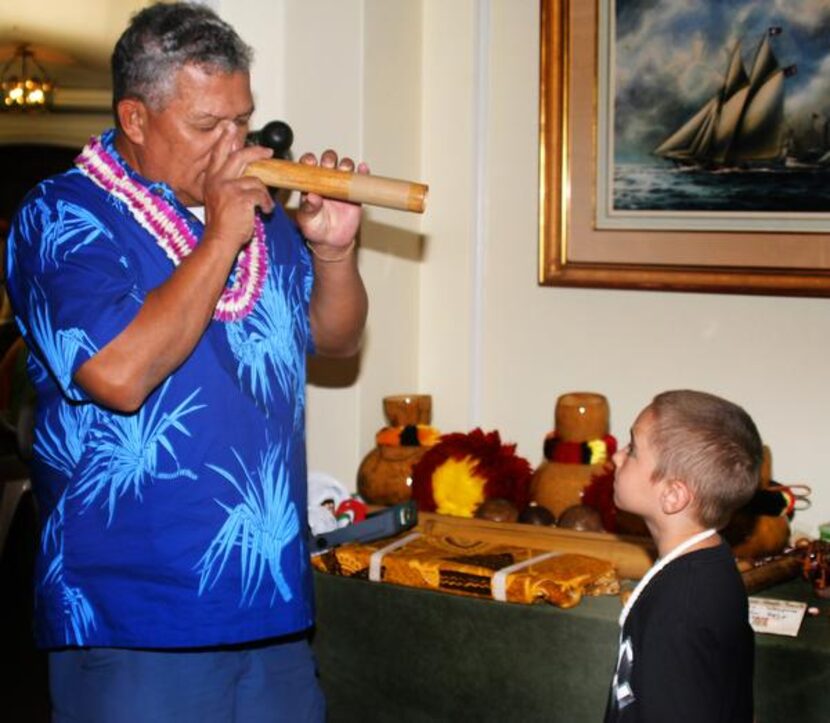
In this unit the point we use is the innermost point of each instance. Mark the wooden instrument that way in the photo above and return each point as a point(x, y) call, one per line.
point(342, 185)
point(766, 573)
point(631, 556)
point(330, 182)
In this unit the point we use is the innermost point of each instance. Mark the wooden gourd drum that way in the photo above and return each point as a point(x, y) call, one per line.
point(754, 536)
point(579, 417)
point(385, 474)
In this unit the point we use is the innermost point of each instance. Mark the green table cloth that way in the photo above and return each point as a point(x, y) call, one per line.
point(389, 653)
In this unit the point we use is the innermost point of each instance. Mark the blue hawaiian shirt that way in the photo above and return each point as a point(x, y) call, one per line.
point(183, 524)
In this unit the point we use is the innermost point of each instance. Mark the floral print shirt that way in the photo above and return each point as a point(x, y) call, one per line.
point(184, 523)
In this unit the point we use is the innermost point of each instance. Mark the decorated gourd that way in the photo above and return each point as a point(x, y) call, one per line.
point(575, 451)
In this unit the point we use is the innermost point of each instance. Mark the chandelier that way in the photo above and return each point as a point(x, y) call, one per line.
point(24, 84)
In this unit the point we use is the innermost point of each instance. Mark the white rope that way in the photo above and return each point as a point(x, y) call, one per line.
point(378, 555)
point(499, 582)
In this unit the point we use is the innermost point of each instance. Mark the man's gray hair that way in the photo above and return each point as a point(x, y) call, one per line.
point(162, 39)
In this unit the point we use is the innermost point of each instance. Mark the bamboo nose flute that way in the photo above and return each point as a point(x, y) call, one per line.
point(330, 182)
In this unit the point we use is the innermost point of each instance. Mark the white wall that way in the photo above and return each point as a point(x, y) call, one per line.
point(446, 91)
point(346, 74)
point(768, 354)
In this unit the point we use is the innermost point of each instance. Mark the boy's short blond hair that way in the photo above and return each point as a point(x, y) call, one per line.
point(712, 445)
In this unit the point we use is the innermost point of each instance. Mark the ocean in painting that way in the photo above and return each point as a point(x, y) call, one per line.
point(661, 187)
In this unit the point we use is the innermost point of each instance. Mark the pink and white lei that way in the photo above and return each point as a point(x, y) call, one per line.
point(172, 233)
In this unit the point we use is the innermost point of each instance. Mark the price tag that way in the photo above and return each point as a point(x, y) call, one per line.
point(776, 617)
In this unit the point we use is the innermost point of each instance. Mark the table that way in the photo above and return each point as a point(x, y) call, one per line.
point(388, 653)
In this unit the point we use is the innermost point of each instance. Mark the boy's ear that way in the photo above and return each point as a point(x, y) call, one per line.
point(675, 497)
point(132, 117)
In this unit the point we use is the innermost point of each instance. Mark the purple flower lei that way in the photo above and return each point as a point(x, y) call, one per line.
point(173, 235)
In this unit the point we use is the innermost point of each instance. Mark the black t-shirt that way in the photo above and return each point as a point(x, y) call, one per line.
point(687, 648)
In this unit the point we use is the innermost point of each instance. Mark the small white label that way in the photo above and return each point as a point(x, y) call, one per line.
point(776, 617)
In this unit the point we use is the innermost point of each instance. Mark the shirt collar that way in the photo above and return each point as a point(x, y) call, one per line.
point(159, 188)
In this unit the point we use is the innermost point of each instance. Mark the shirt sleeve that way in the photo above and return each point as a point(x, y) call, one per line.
point(286, 246)
point(70, 280)
point(307, 276)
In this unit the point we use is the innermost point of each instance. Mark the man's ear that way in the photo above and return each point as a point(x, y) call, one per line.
point(132, 119)
point(675, 497)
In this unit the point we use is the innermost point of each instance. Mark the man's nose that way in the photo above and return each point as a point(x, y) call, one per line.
point(239, 131)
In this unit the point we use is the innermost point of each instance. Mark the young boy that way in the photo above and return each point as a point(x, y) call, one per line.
point(686, 647)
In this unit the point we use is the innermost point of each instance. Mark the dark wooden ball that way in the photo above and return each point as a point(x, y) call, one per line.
point(536, 514)
point(497, 509)
point(276, 135)
point(581, 518)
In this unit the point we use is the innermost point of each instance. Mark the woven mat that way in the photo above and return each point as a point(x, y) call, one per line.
point(473, 567)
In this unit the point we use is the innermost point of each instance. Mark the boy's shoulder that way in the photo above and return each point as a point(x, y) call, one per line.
point(699, 586)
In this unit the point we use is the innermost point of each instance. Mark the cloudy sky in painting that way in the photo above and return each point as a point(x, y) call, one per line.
point(671, 57)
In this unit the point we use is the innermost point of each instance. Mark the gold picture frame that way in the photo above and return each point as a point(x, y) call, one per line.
point(574, 252)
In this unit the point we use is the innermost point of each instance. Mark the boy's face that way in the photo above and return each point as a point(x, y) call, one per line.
point(635, 490)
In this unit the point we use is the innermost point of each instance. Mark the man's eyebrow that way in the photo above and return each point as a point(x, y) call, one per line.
point(207, 115)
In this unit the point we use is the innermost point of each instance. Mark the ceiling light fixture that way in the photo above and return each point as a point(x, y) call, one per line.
point(24, 84)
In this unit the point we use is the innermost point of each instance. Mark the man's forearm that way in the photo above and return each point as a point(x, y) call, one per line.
point(165, 331)
point(338, 306)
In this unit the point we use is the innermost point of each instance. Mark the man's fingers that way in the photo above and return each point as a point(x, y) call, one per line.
point(238, 161)
point(328, 159)
point(252, 190)
point(220, 152)
point(230, 160)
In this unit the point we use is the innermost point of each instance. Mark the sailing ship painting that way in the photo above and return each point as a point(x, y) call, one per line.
point(740, 131)
point(742, 124)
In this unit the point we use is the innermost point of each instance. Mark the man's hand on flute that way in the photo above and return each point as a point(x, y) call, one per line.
point(329, 225)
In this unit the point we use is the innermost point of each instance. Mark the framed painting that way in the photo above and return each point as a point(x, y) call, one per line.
point(685, 146)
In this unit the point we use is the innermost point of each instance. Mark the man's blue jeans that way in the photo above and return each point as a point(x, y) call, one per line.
point(266, 681)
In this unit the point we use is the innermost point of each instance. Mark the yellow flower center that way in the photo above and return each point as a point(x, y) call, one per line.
point(456, 488)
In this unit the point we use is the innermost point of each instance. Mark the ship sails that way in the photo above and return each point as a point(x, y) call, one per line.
point(743, 123)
